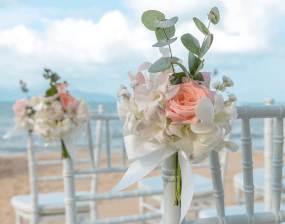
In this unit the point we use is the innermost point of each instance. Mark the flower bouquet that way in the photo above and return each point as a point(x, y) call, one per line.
point(175, 113)
point(57, 115)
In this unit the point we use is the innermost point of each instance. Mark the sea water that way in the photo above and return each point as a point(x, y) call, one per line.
point(17, 144)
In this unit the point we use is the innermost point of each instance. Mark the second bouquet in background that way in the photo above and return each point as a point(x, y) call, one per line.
point(55, 115)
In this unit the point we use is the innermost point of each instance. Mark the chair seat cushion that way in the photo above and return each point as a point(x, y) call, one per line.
point(202, 185)
point(50, 203)
point(258, 179)
point(233, 210)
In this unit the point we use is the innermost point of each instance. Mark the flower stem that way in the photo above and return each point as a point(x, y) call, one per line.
point(177, 170)
point(64, 152)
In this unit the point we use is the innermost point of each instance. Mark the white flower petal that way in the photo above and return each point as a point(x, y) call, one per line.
point(214, 137)
point(203, 127)
point(219, 102)
point(144, 66)
point(122, 108)
point(201, 158)
point(205, 110)
point(231, 146)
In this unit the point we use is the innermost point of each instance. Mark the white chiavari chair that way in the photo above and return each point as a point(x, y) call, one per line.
point(37, 207)
point(250, 212)
point(262, 176)
point(70, 173)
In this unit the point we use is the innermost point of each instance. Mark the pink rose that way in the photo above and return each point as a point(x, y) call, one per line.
point(67, 101)
point(20, 108)
point(19, 105)
point(181, 108)
point(61, 87)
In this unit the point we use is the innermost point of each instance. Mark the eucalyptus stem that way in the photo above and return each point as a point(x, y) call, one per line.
point(169, 49)
point(182, 67)
point(64, 152)
point(206, 35)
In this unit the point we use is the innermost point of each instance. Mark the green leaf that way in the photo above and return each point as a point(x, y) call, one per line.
point(152, 18)
point(167, 23)
point(193, 63)
point(165, 42)
point(201, 26)
point(198, 77)
point(201, 65)
point(191, 43)
point(206, 45)
point(161, 64)
point(160, 33)
point(51, 91)
point(177, 78)
point(175, 58)
point(214, 15)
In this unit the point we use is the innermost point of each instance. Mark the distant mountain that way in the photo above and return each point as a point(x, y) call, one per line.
point(12, 95)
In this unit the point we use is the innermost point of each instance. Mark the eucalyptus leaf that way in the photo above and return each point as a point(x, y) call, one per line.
point(161, 64)
point(199, 77)
point(165, 42)
point(193, 63)
point(152, 18)
point(177, 78)
point(201, 26)
point(163, 33)
point(175, 58)
point(206, 45)
point(214, 15)
point(51, 91)
point(191, 43)
point(201, 65)
point(168, 22)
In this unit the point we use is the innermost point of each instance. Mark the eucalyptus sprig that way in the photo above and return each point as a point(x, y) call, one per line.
point(23, 86)
point(165, 31)
point(48, 74)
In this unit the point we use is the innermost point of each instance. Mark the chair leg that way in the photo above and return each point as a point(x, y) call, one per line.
point(141, 207)
point(238, 200)
point(18, 219)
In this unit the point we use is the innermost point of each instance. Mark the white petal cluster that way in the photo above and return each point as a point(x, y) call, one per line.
point(123, 92)
point(221, 86)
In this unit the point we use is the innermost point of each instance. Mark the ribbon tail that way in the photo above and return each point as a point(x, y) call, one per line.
point(187, 183)
point(70, 147)
point(68, 140)
point(140, 168)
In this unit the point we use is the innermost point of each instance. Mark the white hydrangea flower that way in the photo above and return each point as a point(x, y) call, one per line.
point(232, 97)
point(123, 92)
point(134, 83)
point(228, 81)
point(216, 84)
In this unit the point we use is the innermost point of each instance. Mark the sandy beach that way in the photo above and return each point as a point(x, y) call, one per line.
point(14, 181)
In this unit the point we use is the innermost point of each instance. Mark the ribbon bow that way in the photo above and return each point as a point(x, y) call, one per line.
point(148, 155)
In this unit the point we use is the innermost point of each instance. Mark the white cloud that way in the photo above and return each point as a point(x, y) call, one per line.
point(97, 55)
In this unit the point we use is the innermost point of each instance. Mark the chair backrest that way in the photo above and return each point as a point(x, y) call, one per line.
point(246, 113)
point(34, 163)
point(115, 163)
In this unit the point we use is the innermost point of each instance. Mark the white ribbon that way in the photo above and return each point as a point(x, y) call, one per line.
point(147, 156)
point(68, 139)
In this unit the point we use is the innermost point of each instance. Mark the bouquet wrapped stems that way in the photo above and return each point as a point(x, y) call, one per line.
point(178, 181)
point(64, 152)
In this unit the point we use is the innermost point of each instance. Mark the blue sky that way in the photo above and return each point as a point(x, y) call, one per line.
point(93, 44)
